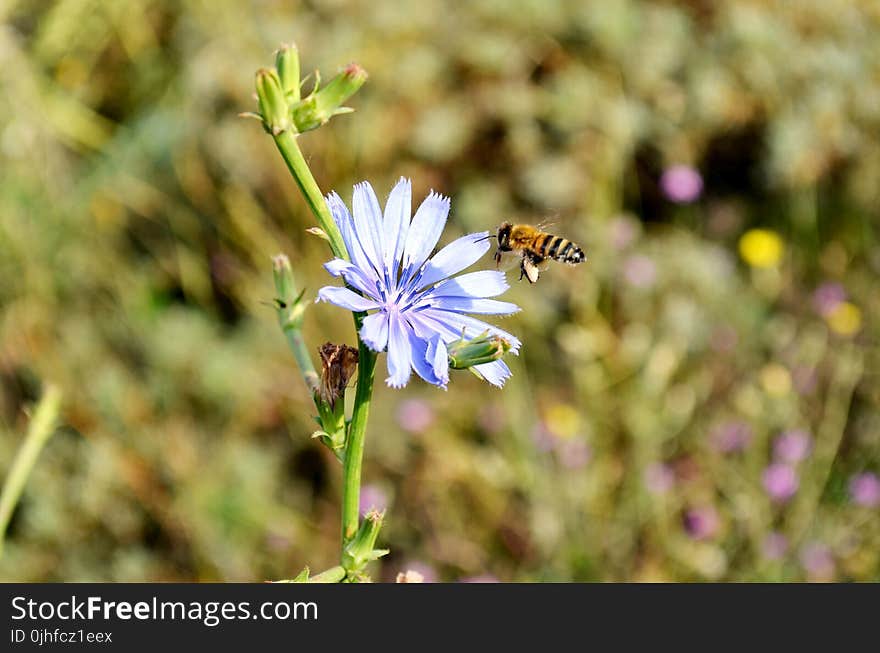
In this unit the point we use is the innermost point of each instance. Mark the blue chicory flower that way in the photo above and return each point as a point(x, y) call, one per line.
point(419, 307)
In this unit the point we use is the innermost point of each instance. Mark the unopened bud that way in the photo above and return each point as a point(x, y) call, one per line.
point(287, 65)
point(274, 108)
point(288, 303)
point(359, 551)
point(322, 104)
point(283, 273)
point(484, 348)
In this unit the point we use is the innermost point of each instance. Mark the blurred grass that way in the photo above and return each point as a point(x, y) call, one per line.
point(138, 215)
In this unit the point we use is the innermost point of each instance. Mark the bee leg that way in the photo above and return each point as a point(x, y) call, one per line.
point(527, 269)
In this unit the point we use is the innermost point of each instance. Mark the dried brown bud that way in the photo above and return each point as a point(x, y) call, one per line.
point(338, 364)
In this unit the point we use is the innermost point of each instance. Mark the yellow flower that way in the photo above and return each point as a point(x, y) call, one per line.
point(761, 248)
point(845, 319)
point(563, 420)
point(776, 380)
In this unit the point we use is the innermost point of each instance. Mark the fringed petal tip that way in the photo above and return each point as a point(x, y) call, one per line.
point(337, 207)
point(397, 384)
point(401, 182)
point(495, 373)
point(438, 197)
point(362, 186)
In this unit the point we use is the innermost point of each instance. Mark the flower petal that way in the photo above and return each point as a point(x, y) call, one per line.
point(349, 237)
point(495, 372)
point(395, 226)
point(374, 331)
point(485, 283)
point(439, 357)
point(368, 224)
point(421, 362)
point(455, 257)
point(338, 210)
point(424, 232)
point(470, 305)
point(427, 327)
point(353, 276)
point(345, 298)
point(399, 353)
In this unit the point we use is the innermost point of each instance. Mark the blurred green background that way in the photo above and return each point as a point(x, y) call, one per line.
point(699, 401)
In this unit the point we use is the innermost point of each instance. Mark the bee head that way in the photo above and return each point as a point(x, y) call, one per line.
point(504, 235)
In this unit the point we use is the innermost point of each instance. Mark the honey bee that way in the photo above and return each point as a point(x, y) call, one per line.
point(535, 246)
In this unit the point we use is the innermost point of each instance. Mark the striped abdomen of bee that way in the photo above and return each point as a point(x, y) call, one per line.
point(557, 248)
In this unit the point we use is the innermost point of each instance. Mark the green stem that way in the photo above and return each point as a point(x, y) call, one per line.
point(303, 360)
point(289, 307)
point(354, 446)
point(39, 432)
point(293, 157)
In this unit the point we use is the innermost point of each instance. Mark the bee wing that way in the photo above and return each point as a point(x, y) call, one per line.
point(506, 261)
point(547, 224)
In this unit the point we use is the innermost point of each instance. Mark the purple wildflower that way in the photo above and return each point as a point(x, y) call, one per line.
point(731, 437)
point(792, 446)
point(491, 418)
point(573, 453)
point(623, 231)
point(827, 297)
point(702, 523)
point(415, 415)
point(640, 271)
point(372, 498)
point(659, 478)
point(780, 482)
point(542, 437)
point(681, 184)
point(426, 571)
point(818, 561)
point(419, 308)
point(864, 489)
point(803, 377)
point(775, 546)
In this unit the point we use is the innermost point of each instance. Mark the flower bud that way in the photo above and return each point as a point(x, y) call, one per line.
point(287, 65)
point(283, 274)
point(274, 109)
point(359, 550)
point(484, 348)
point(288, 303)
point(334, 441)
point(322, 104)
